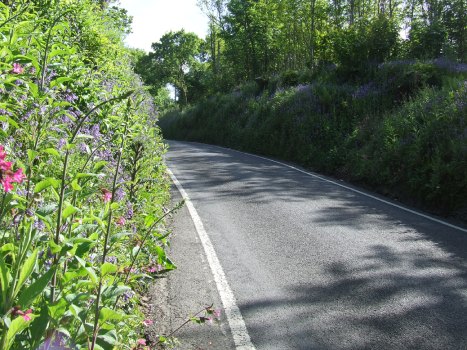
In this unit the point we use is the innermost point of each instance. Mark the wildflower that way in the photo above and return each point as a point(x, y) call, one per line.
point(16, 311)
point(26, 314)
point(148, 322)
point(141, 342)
point(111, 259)
point(129, 212)
point(18, 176)
point(17, 68)
point(7, 176)
point(106, 195)
point(121, 221)
point(156, 268)
point(217, 313)
point(128, 295)
point(61, 143)
point(119, 194)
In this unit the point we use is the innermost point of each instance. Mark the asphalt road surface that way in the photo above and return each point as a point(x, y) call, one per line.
point(313, 265)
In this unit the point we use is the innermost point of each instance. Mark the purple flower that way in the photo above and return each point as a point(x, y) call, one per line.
point(94, 131)
point(128, 295)
point(129, 211)
point(70, 96)
point(82, 148)
point(111, 259)
point(119, 194)
point(61, 143)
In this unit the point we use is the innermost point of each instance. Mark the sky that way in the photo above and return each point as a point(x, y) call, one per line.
point(154, 18)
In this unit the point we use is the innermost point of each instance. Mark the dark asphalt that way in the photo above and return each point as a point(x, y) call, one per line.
point(315, 266)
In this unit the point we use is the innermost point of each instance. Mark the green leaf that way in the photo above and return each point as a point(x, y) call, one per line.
point(107, 338)
point(107, 314)
point(57, 310)
point(135, 251)
point(32, 155)
point(7, 247)
point(161, 253)
point(52, 151)
point(26, 270)
point(27, 297)
point(99, 166)
point(92, 274)
point(85, 175)
point(119, 236)
point(108, 268)
point(46, 210)
point(69, 210)
point(5, 277)
point(54, 247)
point(83, 248)
point(38, 326)
point(75, 185)
point(42, 185)
point(113, 291)
point(33, 88)
point(90, 271)
point(16, 327)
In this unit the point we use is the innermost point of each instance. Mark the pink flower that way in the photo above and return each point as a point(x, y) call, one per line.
point(6, 183)
point(156, 268)
point(17, 69)
point(106, 195)
point(7, 177)
point(5, 166)
point(18, 176)
point(121, 220)
point(148, 322)
point(23, 314)
point(217, 313)
point(141, 342)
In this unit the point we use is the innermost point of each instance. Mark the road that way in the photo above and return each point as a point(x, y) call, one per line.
point(314, 265)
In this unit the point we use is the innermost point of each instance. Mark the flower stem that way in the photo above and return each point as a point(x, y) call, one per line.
point(107, 235)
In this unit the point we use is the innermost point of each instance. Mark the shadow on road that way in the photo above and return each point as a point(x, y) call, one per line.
point(375, 305)
point(410, 293)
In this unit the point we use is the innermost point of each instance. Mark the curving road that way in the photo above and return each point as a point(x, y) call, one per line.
point(313, 265)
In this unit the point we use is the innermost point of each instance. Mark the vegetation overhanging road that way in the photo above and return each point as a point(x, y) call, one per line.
point(316, 266)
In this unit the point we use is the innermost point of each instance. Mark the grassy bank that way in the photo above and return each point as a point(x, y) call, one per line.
point(400, 130)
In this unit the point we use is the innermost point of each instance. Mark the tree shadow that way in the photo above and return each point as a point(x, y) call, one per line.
point(388, 300)
point(401, 282)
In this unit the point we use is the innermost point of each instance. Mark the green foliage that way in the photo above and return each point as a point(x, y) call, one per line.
point(82, 178)
point(174, 56)
point(402, 133)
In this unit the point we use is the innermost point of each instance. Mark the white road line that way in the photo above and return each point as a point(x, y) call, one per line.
point(234, 317)
point(351, 189)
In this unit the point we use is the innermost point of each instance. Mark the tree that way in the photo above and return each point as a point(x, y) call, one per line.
point(171, 60)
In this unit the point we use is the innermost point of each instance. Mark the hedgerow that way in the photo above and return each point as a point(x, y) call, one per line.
point(83, 192)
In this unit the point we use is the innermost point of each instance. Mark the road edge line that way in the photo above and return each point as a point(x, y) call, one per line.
point(232, 312)
point(348, 188)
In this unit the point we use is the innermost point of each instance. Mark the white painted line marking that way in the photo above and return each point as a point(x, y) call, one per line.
point(350, 189)
point(232, 312)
